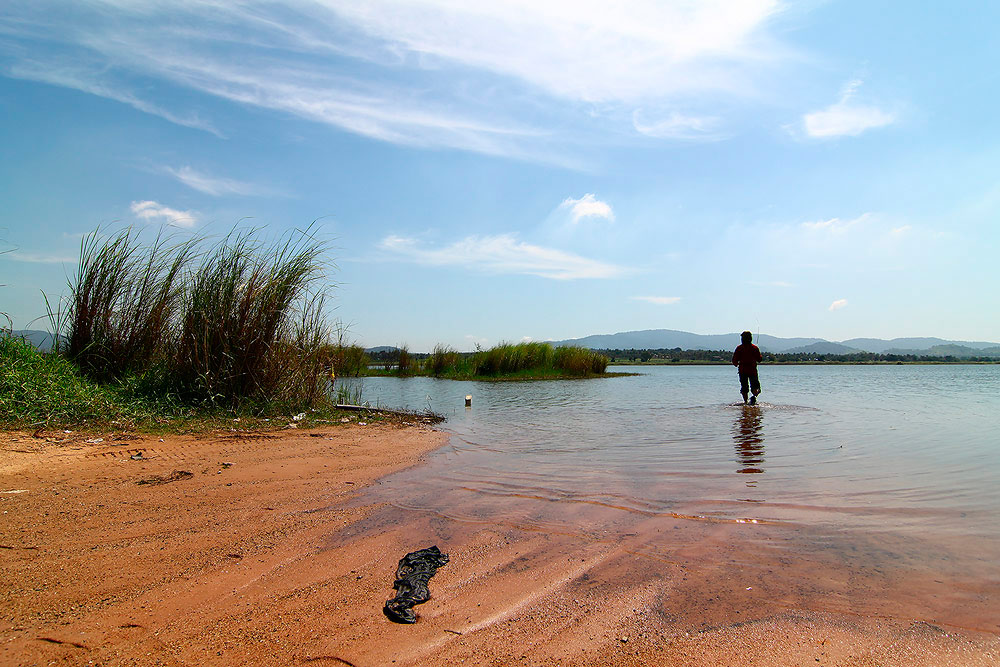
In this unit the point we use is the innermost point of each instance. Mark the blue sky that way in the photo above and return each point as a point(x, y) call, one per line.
point(491, 171)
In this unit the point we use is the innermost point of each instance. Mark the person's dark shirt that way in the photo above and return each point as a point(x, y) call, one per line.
point(747, 356)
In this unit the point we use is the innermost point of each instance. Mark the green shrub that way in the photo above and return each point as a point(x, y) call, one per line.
point(37, 388)
point(404, 363)
point(347, 360)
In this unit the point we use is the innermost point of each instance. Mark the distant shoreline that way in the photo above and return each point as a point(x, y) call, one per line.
point(696, 362)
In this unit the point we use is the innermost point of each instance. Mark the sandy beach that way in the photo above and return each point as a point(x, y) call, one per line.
point(236, 548)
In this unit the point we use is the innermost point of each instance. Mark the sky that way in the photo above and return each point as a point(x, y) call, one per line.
point(523, 170)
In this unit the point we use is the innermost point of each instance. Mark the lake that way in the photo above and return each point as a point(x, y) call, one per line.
point(890, 474)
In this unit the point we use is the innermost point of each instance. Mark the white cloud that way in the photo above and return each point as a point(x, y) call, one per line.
point(582, 51)
point(900, 231)
point(837, 305)
point(845, 117)
point(588, 206)
point(504, 254)
point(659, 300)
point(216, 186)
point(152, 211)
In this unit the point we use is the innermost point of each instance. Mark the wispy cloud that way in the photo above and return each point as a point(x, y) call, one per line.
point(658, 300)
point(676, 125)
point(217, 186)
point(846, 117)
point(836, 225)
point(151, 211)
point(503, 254)
point(90, 81)
point(501, 78)
point(38, 258)
point(588, 206)
point(837, 305)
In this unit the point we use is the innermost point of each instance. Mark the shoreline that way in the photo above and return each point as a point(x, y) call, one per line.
point(268, 554)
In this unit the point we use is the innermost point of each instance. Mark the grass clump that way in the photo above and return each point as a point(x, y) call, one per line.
point(250, 329)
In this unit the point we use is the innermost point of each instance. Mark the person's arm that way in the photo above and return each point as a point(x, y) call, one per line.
point(736, 357)
point(760, 357)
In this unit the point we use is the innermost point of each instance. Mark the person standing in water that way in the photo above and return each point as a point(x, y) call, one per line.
point(746, 357)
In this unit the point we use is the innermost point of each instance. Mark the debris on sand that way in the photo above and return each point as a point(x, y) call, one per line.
point(165, 479)
point(412, 576)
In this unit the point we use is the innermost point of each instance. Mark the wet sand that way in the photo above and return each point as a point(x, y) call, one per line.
point(275, 560)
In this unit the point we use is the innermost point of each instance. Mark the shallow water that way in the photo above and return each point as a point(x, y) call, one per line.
point(881, 466)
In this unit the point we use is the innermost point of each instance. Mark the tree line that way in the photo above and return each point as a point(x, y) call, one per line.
point(677, 355)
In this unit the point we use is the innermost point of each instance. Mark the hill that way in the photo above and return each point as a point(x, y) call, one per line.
point(667, 339)
point(823, 347)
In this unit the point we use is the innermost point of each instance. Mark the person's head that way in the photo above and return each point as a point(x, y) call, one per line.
point(746, 336)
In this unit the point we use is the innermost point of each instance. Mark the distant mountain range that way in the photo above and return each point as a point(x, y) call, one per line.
point(667, 339)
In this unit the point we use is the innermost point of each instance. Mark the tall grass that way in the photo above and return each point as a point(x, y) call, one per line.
point(123, 302)
point(579, 361)
point(241, 321)
point(237, 335)
point(443, 360)
point(507, 358)
point(522, 359)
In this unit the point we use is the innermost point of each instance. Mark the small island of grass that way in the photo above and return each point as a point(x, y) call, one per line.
point(506, 361)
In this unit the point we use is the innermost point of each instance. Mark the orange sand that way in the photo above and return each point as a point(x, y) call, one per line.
point(265, 561)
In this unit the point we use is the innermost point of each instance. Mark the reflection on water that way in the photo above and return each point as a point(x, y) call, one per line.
point(749, 438)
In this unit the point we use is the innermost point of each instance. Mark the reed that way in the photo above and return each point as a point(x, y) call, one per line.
point(244, 321)
point(122, 303)
point(442, 361)
point(345, 359)
point(507, 358)
point(579, 361)
point(239, 337)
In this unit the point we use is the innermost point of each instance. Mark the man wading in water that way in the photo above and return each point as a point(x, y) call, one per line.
point(746, 357)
